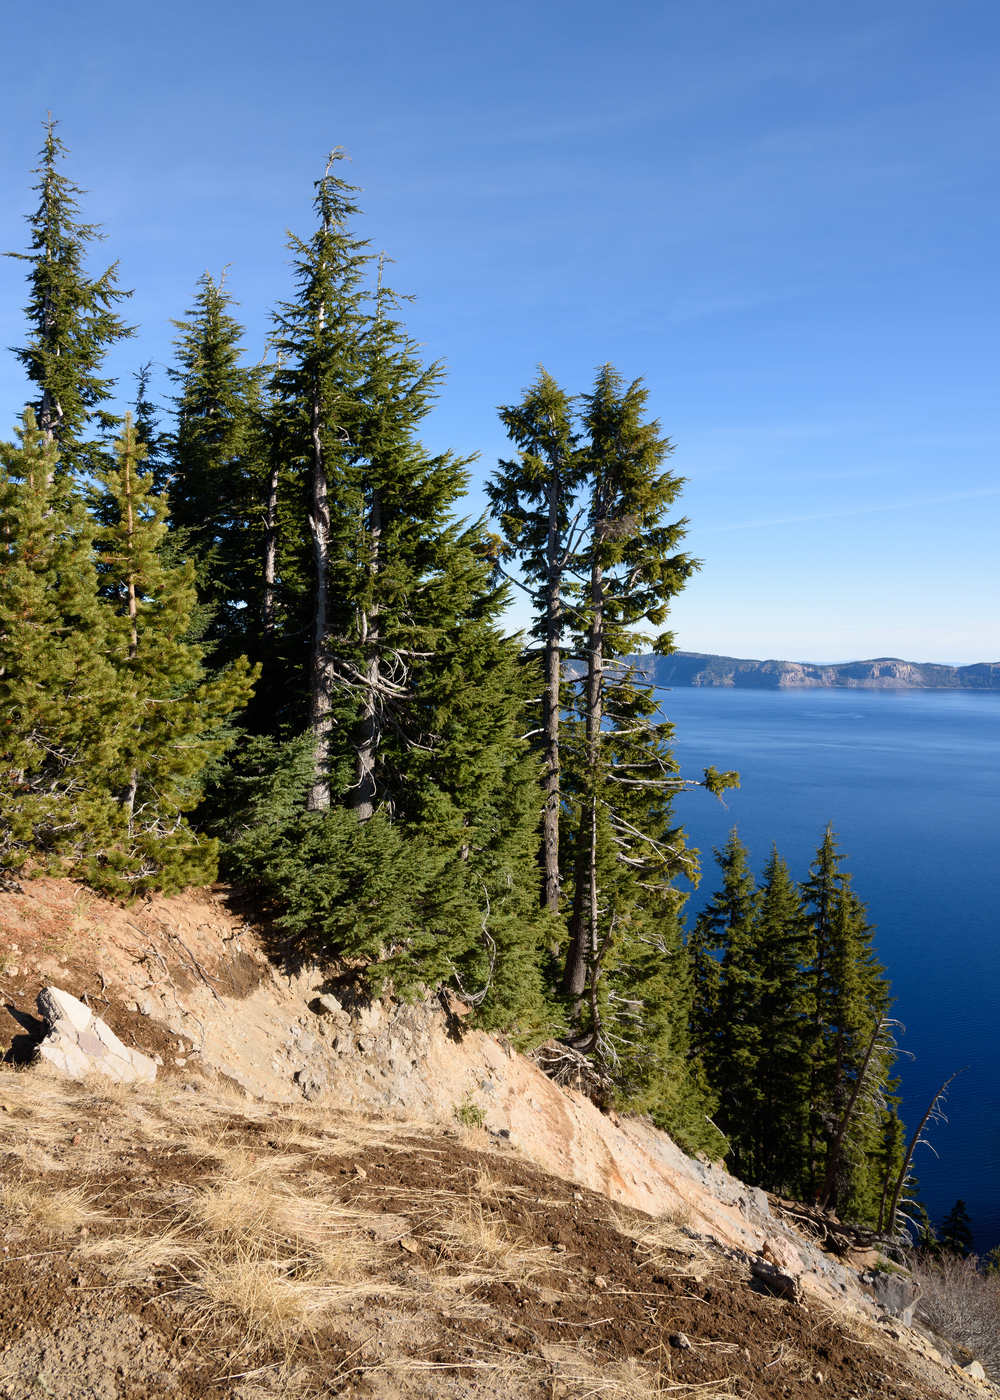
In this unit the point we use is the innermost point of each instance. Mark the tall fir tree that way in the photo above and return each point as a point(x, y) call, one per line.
point(72, 319)
point(630, 569)
point(776, 1084)
point(178, 716)
point(533, 498)
point(218, 468)
point(411, 843)
point(65, 712)
point(316, 387)
point(725, 1035)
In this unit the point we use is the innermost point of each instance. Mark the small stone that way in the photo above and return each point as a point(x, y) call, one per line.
point(361, 1173)
point(409, 1244)
point(578, 1195)
point(76, 1139)
point(131, 1006)
point(179, 1060)
point(145, 1008)
point(600, 1281)
point(817, 1377)
point(779, 1251)
point(974, 1371)
point(330, 1004)
point(679, 1340)
point(559, 1249)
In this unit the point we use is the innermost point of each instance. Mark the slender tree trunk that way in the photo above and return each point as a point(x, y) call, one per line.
point(363, 797)
point(321, 676)
point(133, 650)
point(575, 974)
point(270, 552)
point(551, 708)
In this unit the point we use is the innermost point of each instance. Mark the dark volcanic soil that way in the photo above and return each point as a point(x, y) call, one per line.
point(476, 1274)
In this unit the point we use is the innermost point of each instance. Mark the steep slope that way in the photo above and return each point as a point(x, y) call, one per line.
point(300, 1176)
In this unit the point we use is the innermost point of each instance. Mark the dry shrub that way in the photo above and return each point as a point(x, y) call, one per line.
point(962, 1303)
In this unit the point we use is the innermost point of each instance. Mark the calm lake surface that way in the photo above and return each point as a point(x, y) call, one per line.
point(911, 782)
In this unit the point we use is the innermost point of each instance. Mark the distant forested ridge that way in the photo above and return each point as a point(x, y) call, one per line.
point(881, 673)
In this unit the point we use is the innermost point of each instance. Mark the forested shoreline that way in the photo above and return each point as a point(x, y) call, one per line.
point(250, 632)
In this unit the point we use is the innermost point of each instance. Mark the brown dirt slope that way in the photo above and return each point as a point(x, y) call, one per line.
point(292, 1209)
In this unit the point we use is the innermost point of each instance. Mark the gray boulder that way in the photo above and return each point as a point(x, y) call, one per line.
point(896, 1293)
point(776, 1281)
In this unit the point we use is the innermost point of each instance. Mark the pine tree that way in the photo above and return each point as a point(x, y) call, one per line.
point(218, 468)
point(956, 1231)
point(411, 845)
point(64, 711)
point(725, 1031)
point(72, 319)
point(178, 724)
point(533, 499)
point(631, 572)
point(780, 1072)
point(849, 1005)
point(316, 388)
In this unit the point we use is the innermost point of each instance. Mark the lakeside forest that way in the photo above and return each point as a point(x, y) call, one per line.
point(250, 633)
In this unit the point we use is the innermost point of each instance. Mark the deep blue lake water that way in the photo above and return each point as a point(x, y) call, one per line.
point(911, 782)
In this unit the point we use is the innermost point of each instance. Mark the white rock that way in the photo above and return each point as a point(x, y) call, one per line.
point(56, 1005)
point(79, 1043)
point(975, 1371)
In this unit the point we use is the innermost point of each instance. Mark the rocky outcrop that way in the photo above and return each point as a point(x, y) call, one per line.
point(79, 1043)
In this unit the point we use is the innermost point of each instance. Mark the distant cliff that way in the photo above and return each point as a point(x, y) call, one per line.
point(882, 673)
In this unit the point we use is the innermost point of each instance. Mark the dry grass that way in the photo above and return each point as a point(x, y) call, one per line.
point(50, 1210)
point(482, 1233)
point(661, 1244)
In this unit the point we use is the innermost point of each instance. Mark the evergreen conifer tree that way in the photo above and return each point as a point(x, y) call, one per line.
point(71, 317)
point(956, 1231)
point(412, 844)
point(218, 467)
point(316, 388)
point(725, 1026)
point(780, 1072)
point(64, 712)
point(849, 1002)
point(630, 571)
point(178, 716)
point(533, 498)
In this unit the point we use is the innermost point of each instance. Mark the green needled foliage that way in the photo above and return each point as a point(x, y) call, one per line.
point(178, 717)
point(533, 498)
point(413, 843)
point(218, 466)
point(628, 571)
point(790, 1022)
point(316, 389)
point(71, 317)
point(64, 711)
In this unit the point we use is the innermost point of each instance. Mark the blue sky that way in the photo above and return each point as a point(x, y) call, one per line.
point(783, 215)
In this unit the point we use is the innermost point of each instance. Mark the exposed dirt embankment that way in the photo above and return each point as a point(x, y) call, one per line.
point(294, 1204)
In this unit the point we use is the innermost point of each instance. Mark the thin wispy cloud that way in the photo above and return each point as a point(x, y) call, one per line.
point(857, 510)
